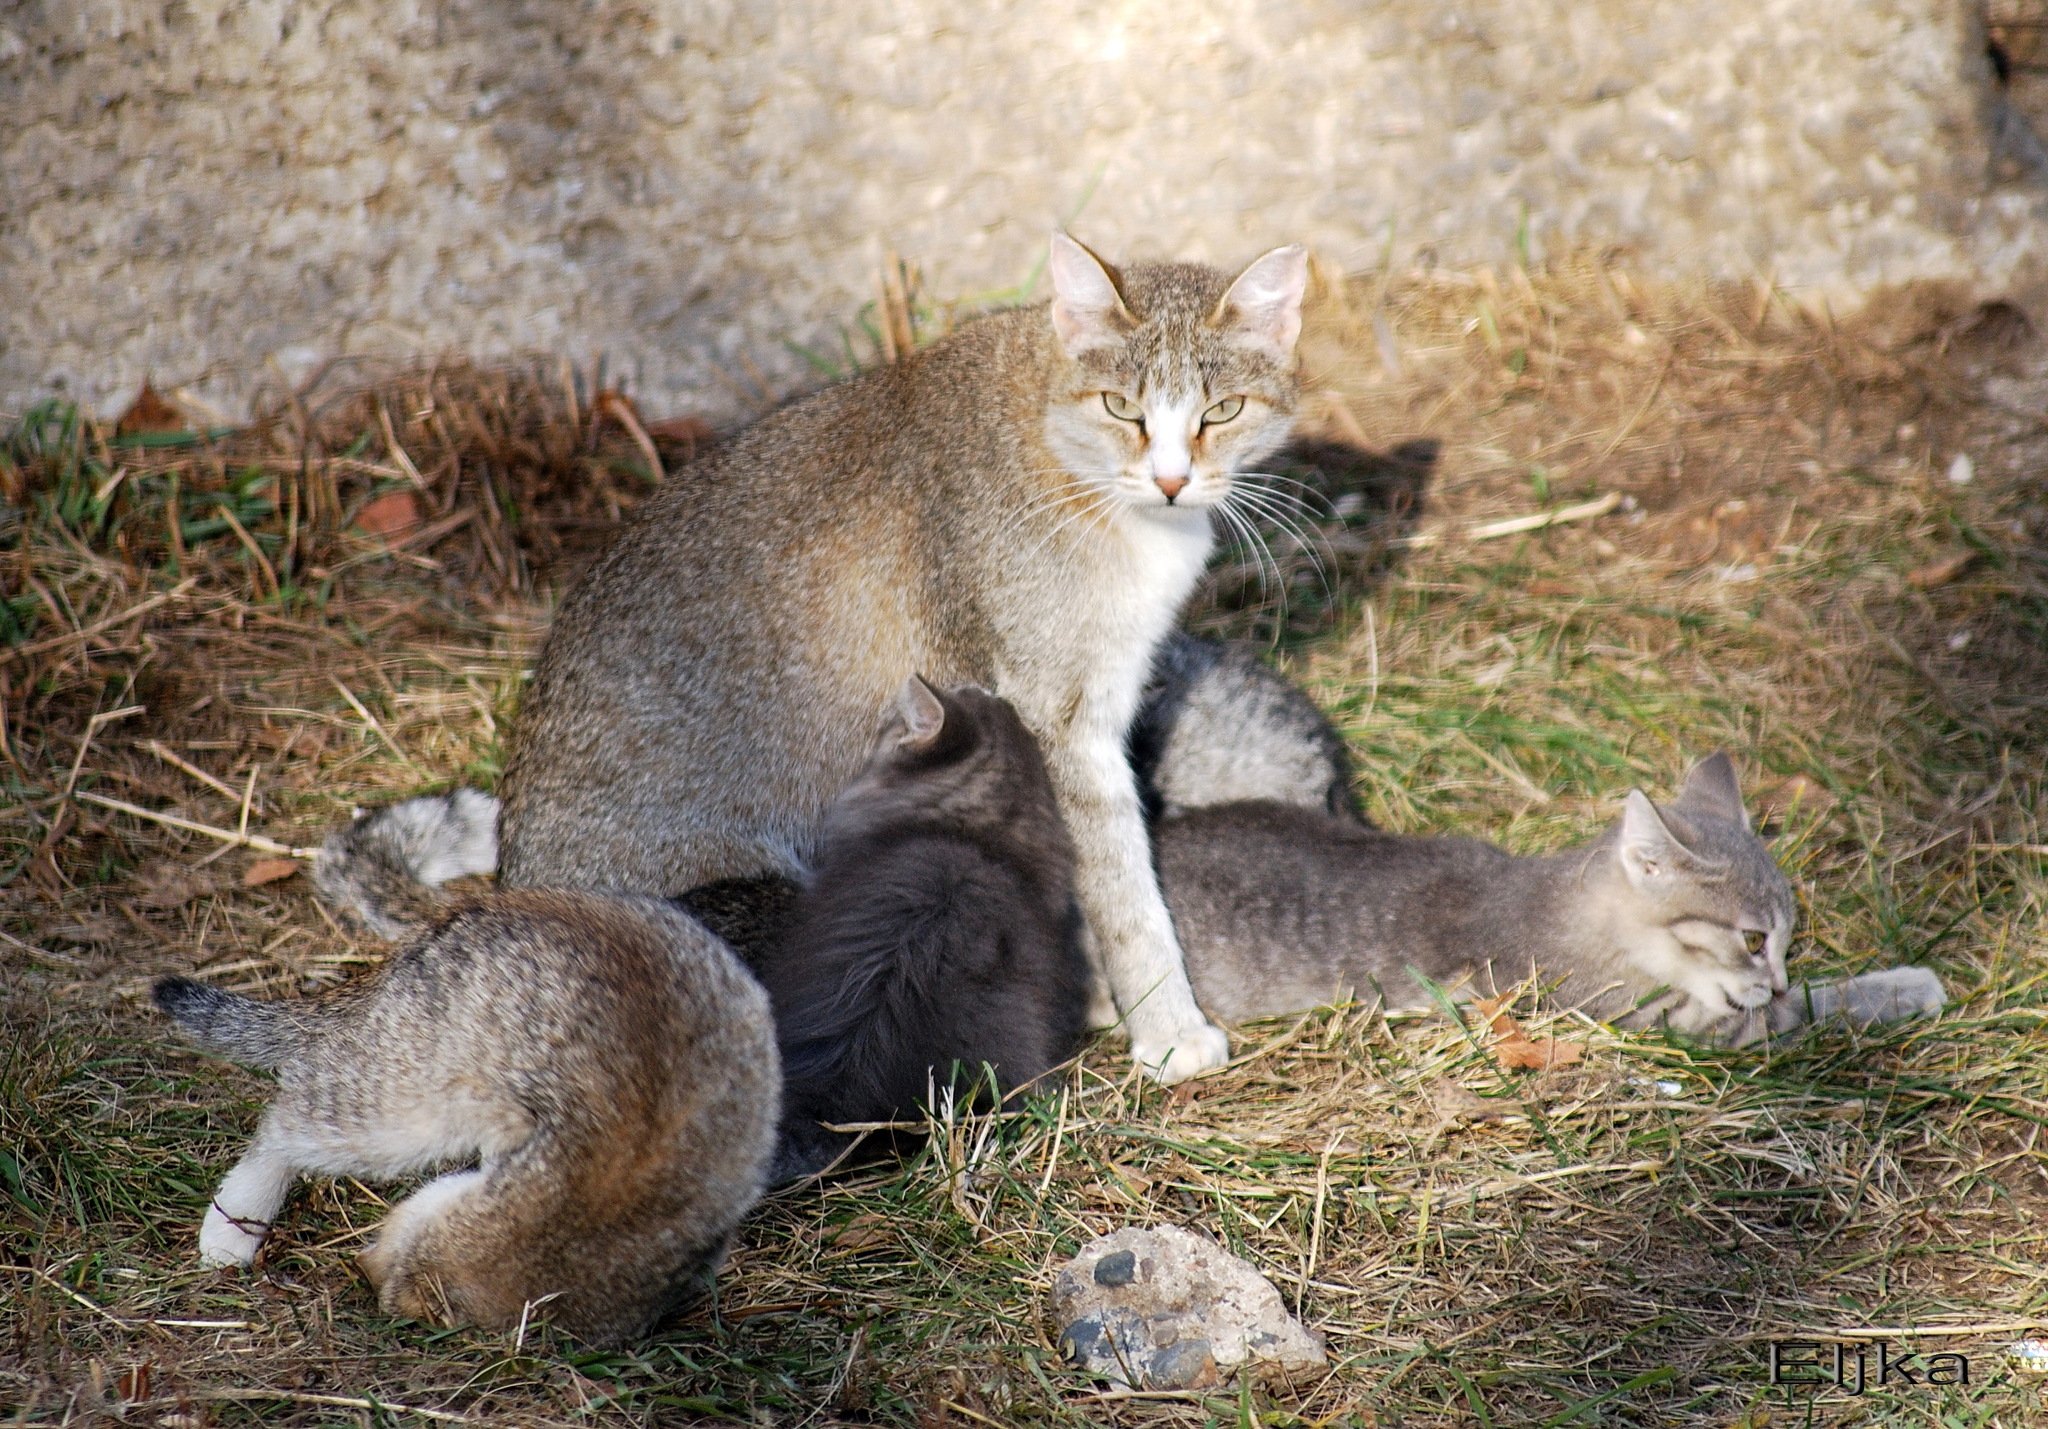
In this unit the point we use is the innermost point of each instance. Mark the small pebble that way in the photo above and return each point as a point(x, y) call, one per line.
point(1120, 1268)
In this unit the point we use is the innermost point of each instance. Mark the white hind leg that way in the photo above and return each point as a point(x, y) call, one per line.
point(239, 1218)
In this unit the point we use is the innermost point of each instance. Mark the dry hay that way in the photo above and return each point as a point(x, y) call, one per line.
point(1791, 575)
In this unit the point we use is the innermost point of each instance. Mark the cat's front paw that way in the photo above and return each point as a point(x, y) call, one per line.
point(1893, 994)
point(225, 1240)
point(1181, 1054)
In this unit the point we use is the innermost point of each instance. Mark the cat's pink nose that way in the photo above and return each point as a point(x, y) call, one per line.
point(1171, 485)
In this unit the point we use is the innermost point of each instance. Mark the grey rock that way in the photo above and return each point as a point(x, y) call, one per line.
point(1164, 1308)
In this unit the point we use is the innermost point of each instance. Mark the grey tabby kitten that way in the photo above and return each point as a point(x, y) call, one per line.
point(1218, 725)
point(1676, 915)
point(1023, 506)
point(606, 1061)
point(388, 866)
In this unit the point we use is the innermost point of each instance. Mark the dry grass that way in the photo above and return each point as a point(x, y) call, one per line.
point(1609, 1243)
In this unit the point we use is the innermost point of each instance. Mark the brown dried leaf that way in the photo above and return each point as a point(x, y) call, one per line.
point(1941, 572)
point(1453, 1102)
point(269, 870)
point(1536, 1055)
point(132, 1385)
point(1136, 1182)
point(390, 514)
point(1498, 1022)
point(149, 412)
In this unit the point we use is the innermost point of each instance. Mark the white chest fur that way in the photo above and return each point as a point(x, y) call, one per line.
point(1111, 602)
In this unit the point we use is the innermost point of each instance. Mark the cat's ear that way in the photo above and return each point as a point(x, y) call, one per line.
point(1712, 788)
point(922, 712)
point(1263, 307)
point(1649, 852)
point(1087, 310)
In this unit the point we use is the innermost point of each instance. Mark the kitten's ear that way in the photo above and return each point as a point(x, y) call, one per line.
point(1087, 310)
point(1649, 853)
point(1263, 306)
point(1712, 788)
point(923, 714)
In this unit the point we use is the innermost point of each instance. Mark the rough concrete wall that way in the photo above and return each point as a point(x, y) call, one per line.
point(190, 186)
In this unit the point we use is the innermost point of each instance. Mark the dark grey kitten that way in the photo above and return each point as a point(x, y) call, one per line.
point(938, 933)
point(1676, 915)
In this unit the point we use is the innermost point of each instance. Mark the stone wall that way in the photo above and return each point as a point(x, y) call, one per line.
point(194, 188)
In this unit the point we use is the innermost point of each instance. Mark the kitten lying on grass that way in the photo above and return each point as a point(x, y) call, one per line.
point(1677, 916)
point(606, 1061)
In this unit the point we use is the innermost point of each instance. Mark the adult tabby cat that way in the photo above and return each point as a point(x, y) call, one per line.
point(1677, 915)
point(1023, 506)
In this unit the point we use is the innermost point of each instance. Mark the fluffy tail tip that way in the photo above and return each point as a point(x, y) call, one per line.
point(182, 997)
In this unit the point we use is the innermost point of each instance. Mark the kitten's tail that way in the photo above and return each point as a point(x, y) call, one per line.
point(262, 1034)
point(387, 867)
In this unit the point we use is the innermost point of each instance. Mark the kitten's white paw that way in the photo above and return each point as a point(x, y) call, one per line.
point(1181, 1054)
point(1894, 994)
point(223, 1242)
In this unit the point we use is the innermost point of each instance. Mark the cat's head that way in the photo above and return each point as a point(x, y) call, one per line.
point(1176, 374)
point(960, 756)
point(1704, 908)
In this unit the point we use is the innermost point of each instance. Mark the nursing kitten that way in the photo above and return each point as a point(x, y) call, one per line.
point(387, 867)
point(609, 1064)
point(1218, 725)
point(938, 935)
point(1024, 505)
point(1676, 915)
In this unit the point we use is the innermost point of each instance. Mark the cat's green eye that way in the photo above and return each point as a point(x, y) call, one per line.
point(1122, 408)
point(1755, 943)
point(1223, 411)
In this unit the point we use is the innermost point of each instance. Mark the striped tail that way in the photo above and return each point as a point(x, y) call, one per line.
point(262, 1034)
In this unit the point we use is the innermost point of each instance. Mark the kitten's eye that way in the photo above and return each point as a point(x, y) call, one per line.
point(1755, 943)
point(1122, 408)
point(1223, 411)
